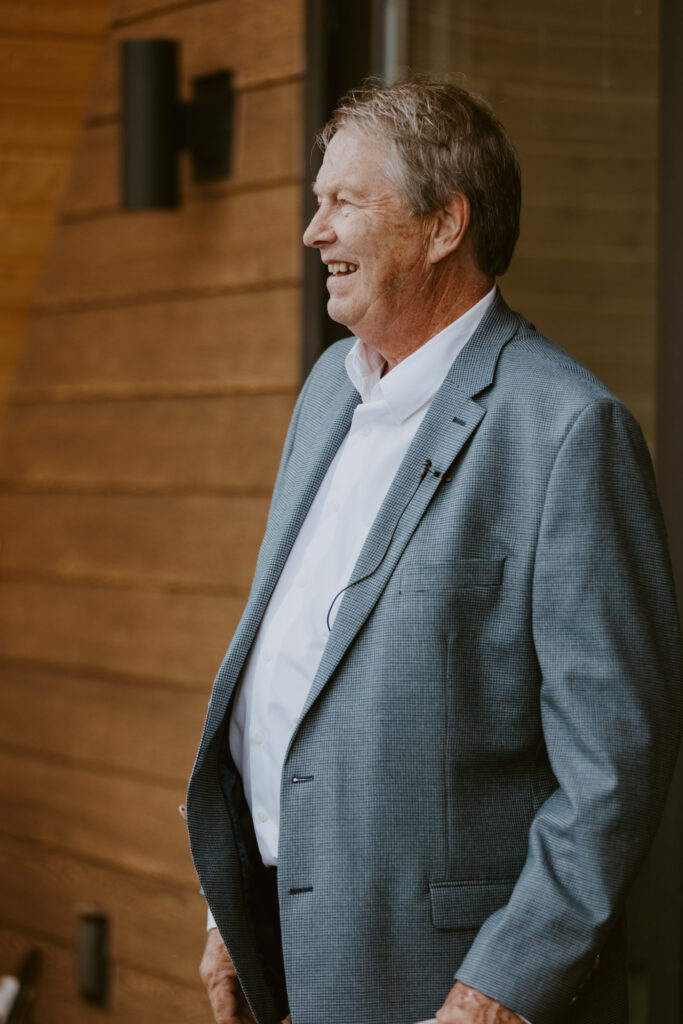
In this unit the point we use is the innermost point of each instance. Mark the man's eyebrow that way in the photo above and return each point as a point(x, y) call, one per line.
point(347, 189)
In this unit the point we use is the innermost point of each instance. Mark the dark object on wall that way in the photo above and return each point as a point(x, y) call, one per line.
point(93, 964)
point(156, 125)
point(28, 980)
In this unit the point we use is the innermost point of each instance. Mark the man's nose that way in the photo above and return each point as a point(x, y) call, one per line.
point(319, 231)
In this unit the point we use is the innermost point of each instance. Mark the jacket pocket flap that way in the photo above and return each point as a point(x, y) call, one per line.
point(462, 572)
point(462, 905)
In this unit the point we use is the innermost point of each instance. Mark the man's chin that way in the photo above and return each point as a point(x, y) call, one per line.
point(336, 312)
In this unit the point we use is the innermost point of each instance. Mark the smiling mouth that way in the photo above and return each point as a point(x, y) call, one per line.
point(337, 269)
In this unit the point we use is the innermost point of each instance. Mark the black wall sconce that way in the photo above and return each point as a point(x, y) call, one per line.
point(156, 125)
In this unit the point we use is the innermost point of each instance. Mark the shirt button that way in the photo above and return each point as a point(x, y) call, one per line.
point(366, 430)
point(302, 580)
point(333, 506)
point(268, 656)
point(258, 737)
point(262, 816)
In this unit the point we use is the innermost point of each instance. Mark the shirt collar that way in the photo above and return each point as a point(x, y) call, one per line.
point(415, 380)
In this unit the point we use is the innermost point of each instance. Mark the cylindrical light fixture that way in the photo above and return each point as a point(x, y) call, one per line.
point(150, 123)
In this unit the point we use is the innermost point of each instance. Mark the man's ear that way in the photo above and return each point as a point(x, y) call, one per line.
point(449, 226)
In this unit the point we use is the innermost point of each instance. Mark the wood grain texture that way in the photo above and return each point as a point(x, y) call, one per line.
point(200, 542)
point(138, 455)
point(584, 16)
point(35, 69)
point(266, 149)
point(230, 242)
point(179, 346)
point(30, 185)
point(625, 124)
point(618, 235)
point(198, 443)
point(146, 731)
point(143, 913)
point(55, 17)
point(594, 273)
point(112, 819)
point(35, 130)
point(138, 998)
point(581, 174)
point(175, 638)
point(13, 328)
point(574, 55)
point(24, 241)
point(259, 42)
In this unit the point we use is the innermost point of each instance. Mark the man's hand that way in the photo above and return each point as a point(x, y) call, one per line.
point(220, 978)
point(464, 1005)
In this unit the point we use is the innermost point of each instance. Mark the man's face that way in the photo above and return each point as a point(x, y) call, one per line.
point(373, 246)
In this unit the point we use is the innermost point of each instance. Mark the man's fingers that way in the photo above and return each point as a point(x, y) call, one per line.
point(465, 1005)
point(220, 979)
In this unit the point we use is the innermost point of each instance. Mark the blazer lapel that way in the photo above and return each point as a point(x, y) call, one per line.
point(451, 420)
point(317, 444)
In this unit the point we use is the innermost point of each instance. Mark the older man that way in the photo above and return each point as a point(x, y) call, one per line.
point(438, 746)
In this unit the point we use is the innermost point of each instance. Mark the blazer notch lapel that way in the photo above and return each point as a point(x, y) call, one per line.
point(314, 452)
point(474, 367)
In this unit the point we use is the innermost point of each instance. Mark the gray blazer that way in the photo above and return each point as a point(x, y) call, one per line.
point(486, 746)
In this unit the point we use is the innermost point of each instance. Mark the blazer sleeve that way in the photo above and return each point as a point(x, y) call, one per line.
point(607, 639)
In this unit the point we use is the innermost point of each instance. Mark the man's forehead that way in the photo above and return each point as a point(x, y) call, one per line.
point(352, 159)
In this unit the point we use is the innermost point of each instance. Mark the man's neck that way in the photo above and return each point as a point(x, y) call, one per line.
point(441, 307)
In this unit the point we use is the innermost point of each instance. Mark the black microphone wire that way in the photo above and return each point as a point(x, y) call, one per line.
point(425, 469)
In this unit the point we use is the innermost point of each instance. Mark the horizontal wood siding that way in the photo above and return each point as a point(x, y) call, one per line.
point(48, 53)
point(166, 347)
point(139, 447)
point(194, 442)
point(173, 637)
point(134, 990)
point(146, 910)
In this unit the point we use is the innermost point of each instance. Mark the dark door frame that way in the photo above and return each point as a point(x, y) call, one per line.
point(343, 46)
point(666, 945)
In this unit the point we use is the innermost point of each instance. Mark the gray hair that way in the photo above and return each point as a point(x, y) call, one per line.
point(443, 140)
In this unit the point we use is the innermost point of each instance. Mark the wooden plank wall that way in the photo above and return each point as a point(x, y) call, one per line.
point(48, 53)
point(138, 453)
point(577, 86)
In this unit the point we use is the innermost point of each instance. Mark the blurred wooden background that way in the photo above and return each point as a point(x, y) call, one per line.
point(140, 442)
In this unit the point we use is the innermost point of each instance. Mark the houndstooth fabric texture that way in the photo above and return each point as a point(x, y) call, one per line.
point(488, 740)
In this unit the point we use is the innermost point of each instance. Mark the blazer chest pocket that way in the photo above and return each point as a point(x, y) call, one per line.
point(460, 906)
point(455, 575)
